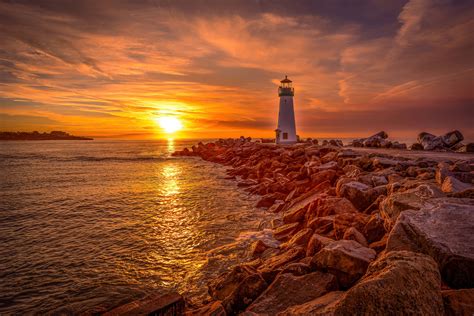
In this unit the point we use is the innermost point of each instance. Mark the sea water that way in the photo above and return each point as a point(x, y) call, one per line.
point(88, 225)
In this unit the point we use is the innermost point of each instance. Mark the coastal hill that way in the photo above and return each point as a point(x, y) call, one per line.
point(54, 135)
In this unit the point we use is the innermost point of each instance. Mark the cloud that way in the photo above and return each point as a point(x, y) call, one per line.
point(112, 66)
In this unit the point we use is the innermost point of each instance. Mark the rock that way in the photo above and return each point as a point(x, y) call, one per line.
point(413, 199)
point(443, 229)
point(154, 304)
point(244, 294)
point(360, 195)
point(374, 230)
point(453, 185)
point(344, 221)
point(277, 207)
point(294, 215)
point(297, 269)
point(316, 243)
point(468, 148)
point(322, 225)
point(288, 290)
point(270, 266)
point(379, 246)
point(226, 283)
point(324, 305)
point(353, 234)
point(442, 171)
point(212, 309)
point(346, 259)
point(301, 238)
point(430, 141)
point(257, 248)
point(379, 180)
point(330, 206)
point(325, 175)
point(452, 138)
point(285, 231)
point(458, 302)
point(398, 283)
point(416, 146)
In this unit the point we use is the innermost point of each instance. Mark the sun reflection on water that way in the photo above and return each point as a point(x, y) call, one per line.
point(170, 184)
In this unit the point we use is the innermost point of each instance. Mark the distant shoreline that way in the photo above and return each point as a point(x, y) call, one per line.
point(36, 136)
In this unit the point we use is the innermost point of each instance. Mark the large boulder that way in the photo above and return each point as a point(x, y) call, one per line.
point(289, 290)
point(330, 206)
point(324, 305)
point(398, 283)
point(431, 142)
point(412, 199)
point(346, 259)
point(443, 229)
point(452, 138)
point(458, 302)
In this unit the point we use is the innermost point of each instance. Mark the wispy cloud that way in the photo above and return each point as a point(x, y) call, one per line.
point(110, 67)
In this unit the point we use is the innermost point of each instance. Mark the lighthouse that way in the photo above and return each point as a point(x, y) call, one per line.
point(286, 129)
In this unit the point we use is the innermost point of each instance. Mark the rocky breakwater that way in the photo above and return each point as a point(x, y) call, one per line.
point(360, 233)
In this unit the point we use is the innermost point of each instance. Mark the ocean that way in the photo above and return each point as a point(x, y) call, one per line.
point(88, 225)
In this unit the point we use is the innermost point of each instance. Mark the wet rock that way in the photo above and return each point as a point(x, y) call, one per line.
point(346, 259)
point(353, 234)
point(247, 291)
point(458, 302)
point(288, 290)
point(443, 229)
point(412, 199)
point(294, 215)
point(212, 309)
point(316, 243)
point(404, 283)
point(270, 266)
point(452, 138)
point(301, 238)
point(277, 207)
point(257, 248)
point(154, 304)
point(266, 201)
point(284, 232)
point(324, 305)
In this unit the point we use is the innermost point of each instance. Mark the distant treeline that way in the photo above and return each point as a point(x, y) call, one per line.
point(54, 135)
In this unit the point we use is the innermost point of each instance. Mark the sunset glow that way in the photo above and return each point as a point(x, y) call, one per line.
point(103, 68)
point(170, 124)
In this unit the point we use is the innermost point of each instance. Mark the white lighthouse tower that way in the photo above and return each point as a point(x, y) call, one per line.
point(286, 129)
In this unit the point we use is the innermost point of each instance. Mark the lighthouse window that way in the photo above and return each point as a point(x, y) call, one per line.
point(285, 135)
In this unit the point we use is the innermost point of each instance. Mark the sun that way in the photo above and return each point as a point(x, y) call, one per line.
point(170, 124)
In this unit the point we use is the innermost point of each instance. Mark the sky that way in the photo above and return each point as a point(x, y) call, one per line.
point(113, 68)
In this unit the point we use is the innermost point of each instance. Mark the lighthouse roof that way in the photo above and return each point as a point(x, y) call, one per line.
point(286, 80)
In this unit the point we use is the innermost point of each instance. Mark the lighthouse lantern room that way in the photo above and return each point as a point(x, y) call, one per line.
point(286, 129)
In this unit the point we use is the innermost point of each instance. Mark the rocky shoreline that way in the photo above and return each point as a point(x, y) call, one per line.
point(361, 233)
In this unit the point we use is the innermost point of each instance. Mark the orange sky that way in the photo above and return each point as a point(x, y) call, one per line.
point(110, 68)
